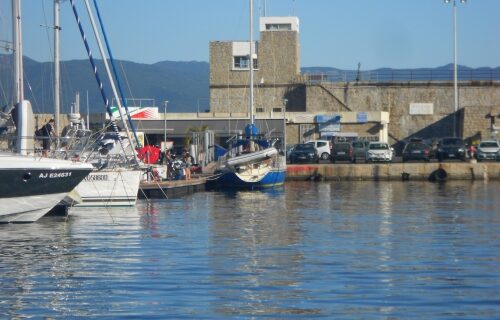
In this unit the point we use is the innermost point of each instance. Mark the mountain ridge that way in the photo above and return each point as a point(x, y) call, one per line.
point(184, 84)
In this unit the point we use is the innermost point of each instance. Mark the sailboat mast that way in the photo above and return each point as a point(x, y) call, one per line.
point(57, 81)
point(110, 76)
point(18, 53)
point(251, 63)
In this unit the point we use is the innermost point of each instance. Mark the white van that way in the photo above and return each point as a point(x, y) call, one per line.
point(323, 147)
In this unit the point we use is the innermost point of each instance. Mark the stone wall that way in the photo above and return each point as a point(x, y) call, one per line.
point(278, 55)
point(475, 101)
point(477, 123)
point(278, 82)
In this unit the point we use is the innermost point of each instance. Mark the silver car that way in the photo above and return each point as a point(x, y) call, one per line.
point(379, 151)
point(488, 150)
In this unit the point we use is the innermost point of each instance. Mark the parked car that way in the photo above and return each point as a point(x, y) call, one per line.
point(304, 152)
point(323, 147)
point(451, 148)
point(359, 149)
point(417, 150)
point(342, 151)
point(379, 151)
point(488, 150)
point(289, 149)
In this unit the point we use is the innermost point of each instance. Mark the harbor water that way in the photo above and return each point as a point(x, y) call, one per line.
point(331, 250)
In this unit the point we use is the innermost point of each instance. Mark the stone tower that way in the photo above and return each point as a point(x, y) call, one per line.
point(276, 70)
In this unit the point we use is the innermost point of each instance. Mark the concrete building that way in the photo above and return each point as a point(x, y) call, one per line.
point(311, 106)
point(316, 107)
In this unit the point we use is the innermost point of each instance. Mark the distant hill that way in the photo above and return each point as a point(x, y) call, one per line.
point(184, 84)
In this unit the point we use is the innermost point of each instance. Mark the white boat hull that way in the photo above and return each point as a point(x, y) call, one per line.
point(113, 187)
point(30, 186)
point(28, 209)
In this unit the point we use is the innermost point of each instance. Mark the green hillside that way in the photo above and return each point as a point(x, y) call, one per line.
point(183, 84)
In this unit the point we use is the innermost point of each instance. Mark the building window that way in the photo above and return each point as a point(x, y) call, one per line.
point(241, 62)
point(278, 27)
point(259, 109)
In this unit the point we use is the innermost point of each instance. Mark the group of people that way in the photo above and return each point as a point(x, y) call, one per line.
point(47, 132)
point(187, 163)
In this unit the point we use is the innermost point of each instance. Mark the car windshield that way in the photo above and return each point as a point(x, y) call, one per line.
point(342, 146)
point(358, 144)
point(304, 147)
point(451, 142)
point(379, 146)
point(488, 144)
point(416, 146)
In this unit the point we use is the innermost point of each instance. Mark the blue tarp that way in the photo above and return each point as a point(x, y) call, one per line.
point(219, 151)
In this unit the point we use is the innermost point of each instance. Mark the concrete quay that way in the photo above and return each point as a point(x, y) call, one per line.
point(433, 171)
point(396, 171)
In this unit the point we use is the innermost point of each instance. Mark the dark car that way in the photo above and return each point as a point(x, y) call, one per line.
point(304, 152)
point(342, 151)
point(417, 150)
point(359, 149)
point(451, 148)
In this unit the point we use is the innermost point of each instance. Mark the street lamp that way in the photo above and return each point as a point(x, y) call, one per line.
point(165, 103)
point(285, 101)
point(455, 72)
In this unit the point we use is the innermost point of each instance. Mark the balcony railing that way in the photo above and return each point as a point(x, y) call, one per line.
point(418, 75)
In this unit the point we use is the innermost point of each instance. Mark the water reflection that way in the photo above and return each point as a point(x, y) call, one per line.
point(250, 249)
point(333, 250)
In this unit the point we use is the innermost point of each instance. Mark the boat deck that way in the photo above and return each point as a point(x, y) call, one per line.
point(168, 189)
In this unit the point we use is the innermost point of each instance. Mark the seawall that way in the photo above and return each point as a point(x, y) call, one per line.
point(396, 171)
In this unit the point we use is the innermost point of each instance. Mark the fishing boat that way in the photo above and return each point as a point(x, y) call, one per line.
point(256, 163)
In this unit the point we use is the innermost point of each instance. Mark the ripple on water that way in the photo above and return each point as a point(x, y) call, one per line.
point(356, 250)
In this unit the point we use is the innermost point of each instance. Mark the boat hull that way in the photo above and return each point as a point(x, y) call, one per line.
point(231, 180)
point(269, 173)
point(30, 187)
point(109, 188)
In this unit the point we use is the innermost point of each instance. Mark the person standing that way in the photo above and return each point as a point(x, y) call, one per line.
point(188, 161)
point(47, 132)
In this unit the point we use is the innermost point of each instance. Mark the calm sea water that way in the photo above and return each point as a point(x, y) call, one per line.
point(355, 250)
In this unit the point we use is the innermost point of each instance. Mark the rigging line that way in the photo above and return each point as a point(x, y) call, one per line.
point(145, 195)
point(96, 74)
point(111, 81)
point(31, 90)
point(139, 122)
point(112, 60)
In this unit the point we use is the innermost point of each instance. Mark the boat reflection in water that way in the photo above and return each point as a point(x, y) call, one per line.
point(251, 248)
point(349, 250)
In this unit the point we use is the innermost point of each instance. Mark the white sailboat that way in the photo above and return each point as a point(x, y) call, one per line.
point(116, 176)
point(31, 186)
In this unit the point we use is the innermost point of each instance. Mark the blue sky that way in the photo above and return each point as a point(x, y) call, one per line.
point(333, 33)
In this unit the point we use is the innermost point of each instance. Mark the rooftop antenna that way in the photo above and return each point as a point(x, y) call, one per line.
point(358, 75)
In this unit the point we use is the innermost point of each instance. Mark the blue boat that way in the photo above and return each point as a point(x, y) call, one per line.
point(253, 162)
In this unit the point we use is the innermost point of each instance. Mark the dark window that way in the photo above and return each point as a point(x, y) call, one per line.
point(241, 62)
